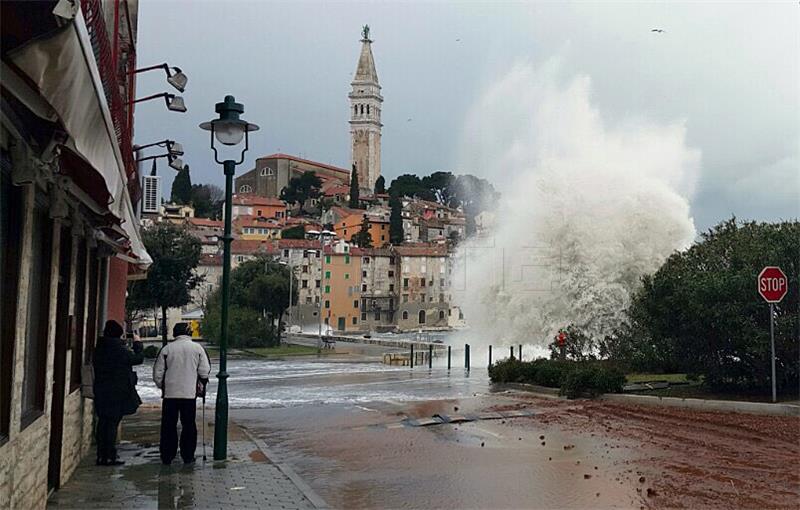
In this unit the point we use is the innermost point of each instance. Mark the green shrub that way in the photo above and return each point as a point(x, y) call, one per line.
point(150, 352)
point(574, 379)
point(505, 371)
point(591, 379)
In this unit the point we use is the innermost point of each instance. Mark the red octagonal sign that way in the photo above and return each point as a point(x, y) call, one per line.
point(772, 284)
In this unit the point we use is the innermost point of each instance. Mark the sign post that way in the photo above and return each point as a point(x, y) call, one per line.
point(772, 285)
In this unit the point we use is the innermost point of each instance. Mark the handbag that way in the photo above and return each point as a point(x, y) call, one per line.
point(87, 381)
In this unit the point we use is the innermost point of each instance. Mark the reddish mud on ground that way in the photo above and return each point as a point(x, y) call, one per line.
point(687, 458)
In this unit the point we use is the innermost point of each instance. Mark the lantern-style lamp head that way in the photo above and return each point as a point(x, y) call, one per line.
point(229, 129)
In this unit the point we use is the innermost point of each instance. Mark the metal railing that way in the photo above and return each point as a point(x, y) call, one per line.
point(116, 79)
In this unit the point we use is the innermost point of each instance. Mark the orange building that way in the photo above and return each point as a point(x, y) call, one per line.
point(341, 287)
point(252, 205)
point(350, 225)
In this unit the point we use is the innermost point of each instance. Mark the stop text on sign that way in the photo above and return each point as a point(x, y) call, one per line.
point(772, 284)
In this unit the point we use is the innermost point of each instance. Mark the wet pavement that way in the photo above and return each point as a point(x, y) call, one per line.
point(343, 424)
point(248, 479)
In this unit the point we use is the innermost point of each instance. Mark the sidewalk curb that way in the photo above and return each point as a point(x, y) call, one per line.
point(307, 491)
point(707, 405)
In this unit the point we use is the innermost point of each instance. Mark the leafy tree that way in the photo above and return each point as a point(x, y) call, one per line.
point(363, 238)
point(396, 235)
point(354, 202)
point(302, 188)
point(182, 187)
point(246, 327)
point(442, 186)
point(577, 345)
point(409, 185)
point(380, 185)
point(171, 277)
point(260, 293)
point(701, 313)
point(474, 195)
point(296, 232)
point(207, 200)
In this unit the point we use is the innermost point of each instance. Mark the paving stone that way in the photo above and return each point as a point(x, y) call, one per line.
point(144, 483)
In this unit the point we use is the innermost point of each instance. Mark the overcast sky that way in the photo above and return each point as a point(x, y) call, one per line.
point(729, 72)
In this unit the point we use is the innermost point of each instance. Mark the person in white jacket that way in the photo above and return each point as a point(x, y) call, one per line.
point(181, 372)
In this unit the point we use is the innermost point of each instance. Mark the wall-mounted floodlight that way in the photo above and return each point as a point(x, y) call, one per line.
point(176, 163)
point(174, 103)
point(173, 147)
point(175, 76)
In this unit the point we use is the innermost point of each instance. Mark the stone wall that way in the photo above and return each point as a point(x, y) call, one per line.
point(77, 439)
point(23, 467)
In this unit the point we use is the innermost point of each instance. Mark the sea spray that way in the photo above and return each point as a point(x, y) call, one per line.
point(587, 209)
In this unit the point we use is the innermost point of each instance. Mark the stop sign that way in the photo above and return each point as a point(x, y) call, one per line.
point(772, 284)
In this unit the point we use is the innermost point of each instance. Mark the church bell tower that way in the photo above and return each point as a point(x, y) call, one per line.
point(365, 117)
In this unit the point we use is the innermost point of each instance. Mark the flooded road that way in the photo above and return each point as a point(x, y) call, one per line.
point(343, 424)
point(339, 424)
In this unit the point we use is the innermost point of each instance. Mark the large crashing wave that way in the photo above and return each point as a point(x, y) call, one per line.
point(587, 208)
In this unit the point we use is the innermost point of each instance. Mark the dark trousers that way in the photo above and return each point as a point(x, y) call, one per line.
point(106, 436)
point(171, 409)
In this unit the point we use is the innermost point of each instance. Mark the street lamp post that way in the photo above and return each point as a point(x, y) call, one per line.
point(228, 130)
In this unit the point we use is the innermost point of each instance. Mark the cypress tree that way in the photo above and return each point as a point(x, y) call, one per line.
point(396, 235)
point(182, 187)
point(380, 185)
point(354, 198)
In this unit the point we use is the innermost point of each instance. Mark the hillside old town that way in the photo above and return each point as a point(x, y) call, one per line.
point(377, 278)
point(550, 259)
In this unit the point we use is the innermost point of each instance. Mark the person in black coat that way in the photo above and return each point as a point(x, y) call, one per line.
point(114, 389)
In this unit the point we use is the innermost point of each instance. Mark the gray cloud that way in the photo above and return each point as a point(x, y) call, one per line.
point(728, 72)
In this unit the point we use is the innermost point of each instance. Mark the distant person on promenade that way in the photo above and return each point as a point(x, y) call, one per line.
point(181, 370)
point(114, 389)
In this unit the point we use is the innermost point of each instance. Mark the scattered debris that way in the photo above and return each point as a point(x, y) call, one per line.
point(569, 446)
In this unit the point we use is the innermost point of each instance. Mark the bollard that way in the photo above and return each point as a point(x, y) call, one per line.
point(448, 357)
point(490, 355)
point(466, 356)
point(430, 356)
point(412, 356)
point(512, 352)
point(520, 352)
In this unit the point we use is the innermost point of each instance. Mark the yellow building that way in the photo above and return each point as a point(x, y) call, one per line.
point(341, 287)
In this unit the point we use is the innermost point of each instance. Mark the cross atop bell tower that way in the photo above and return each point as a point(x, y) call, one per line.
point(365, 116)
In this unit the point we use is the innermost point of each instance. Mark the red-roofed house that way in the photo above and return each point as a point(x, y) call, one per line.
point(246, 204)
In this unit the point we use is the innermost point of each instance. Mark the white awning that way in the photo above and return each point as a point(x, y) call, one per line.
point(63, 68)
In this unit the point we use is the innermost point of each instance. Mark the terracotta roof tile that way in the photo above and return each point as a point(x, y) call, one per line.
point(251, 199)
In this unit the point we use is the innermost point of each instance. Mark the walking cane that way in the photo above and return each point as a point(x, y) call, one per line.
point(204, 426)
